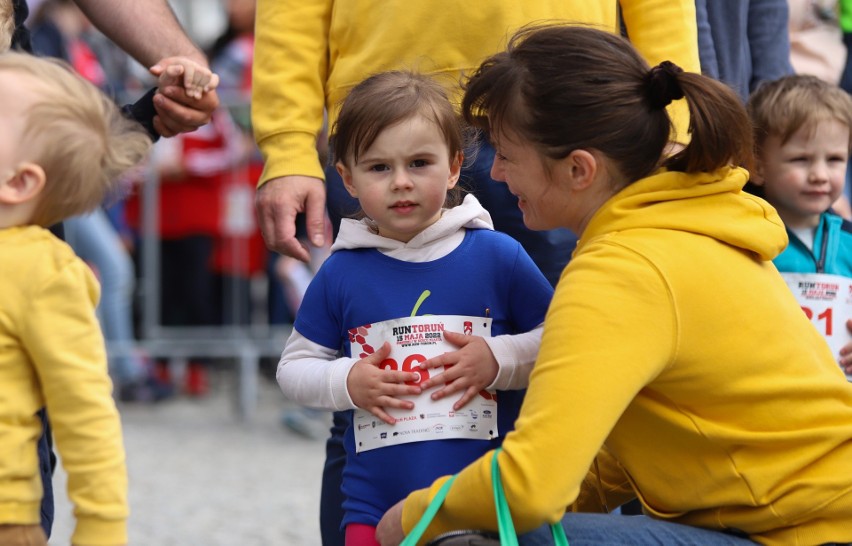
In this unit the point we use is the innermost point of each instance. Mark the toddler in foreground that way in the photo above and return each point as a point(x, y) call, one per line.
point(420, 260)
point(62, 146)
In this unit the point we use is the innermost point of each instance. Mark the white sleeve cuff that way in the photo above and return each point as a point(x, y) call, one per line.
point(313, 375)
point(515, 355)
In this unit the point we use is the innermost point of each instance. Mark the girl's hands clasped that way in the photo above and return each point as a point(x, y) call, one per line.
point(373, 388)
point(469, 370)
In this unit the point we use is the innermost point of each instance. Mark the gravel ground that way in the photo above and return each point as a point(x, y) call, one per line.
point(200, 477)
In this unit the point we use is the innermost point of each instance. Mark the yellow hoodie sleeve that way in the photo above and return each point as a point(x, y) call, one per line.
point(289, 73)
point(64, 341)
point(663, 30)
point(605, 486)
point(610, 330)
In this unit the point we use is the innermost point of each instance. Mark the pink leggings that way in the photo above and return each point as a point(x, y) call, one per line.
point(358, 534)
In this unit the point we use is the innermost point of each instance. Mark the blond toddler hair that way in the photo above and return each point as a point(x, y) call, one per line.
point(75, 133)
point(783, 106)
point(7, 24)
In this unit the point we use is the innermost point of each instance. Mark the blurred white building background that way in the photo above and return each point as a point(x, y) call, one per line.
point(203, 19)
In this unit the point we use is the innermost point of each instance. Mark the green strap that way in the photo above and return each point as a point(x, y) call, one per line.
point(504, 517)
point(418, 530)
point(559, 536)
point(508, 537)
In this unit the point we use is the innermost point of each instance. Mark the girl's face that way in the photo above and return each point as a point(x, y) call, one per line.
point(805, 175)
point(402, 179)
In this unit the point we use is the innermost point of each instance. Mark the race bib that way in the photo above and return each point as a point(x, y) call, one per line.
point(414, 340)
point(827, 301)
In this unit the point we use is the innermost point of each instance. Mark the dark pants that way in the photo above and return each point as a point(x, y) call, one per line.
point(46, 457)
point(550, 250)
point(46, 464)
point(331, 497)
point(187, 282)
point(595, 529)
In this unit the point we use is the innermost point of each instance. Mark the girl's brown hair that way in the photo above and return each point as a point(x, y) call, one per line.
point(570, 87)
point(385, 99)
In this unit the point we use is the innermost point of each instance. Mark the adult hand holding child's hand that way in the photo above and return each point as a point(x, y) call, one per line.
point(195, 78)
point(186, 95)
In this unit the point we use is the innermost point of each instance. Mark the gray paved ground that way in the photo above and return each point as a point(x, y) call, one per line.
point(200, 477)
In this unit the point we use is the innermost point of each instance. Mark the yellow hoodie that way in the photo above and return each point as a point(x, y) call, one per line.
point(309, 54)
point(673, 342)
point(52, 354)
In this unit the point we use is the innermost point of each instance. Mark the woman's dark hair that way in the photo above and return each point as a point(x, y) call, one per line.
point(387, 98)
point(569, 87)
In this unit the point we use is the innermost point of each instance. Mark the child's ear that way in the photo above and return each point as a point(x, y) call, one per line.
point(23, 186)
point(455, 170)
point(346, 175)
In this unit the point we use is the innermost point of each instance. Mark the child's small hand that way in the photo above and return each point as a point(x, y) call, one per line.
point(846, 352)
point(470, 369)
point(195, 78)
point(373, 388)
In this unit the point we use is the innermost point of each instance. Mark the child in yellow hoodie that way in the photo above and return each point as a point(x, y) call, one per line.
point(674, 363)
point(62, 146)
point(57, 129)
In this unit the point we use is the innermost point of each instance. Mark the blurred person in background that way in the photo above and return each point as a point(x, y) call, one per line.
point(151, 33)
point(59, 30)
point(231, 57)
point(196, 172)
point(743, 43)
point(817, 49)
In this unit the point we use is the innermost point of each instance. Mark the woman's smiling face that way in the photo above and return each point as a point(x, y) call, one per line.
point(520, 166)
point(552, 193)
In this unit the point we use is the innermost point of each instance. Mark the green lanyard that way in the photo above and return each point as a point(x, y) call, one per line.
point(504, 516)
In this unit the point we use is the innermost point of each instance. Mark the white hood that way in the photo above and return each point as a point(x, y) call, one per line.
point(432, 243)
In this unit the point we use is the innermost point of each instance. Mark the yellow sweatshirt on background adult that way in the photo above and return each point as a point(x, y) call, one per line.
point(52, 354)
point(673, 341)
point(308, 55)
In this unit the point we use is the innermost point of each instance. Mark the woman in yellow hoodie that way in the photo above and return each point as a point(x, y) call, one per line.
point(309, 55)
point(674, 362)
